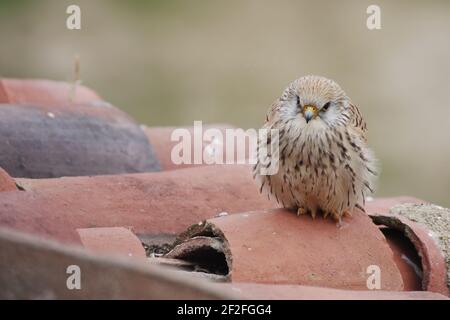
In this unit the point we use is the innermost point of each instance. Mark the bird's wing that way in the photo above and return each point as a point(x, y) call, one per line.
point(357, 121)
point(272, 110)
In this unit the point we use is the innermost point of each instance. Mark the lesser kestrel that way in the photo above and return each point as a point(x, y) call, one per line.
point(325, 164)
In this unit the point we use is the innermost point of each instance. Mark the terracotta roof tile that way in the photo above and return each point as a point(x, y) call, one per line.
point(278, 247)
point(432, 259)
point(256, 291)
point(160, 139)
point(6, 182)
point(223, 229)
point(34, 268)
point(44, 92)
point(48, 130)
point(150, 203)
point(117, 241)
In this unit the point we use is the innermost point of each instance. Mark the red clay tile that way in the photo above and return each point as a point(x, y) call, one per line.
point(406, 258)
point(150, 203)
point(257, 291)
point(6, 182)
point(47, 142)
point(44, 92)
point(118, 241)
point(34, 268)
point(432, 259)
point(160, 139)
point(277, 247)
point(399, 244)
point(52, 129)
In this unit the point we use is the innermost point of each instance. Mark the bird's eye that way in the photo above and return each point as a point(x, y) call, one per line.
point(326, 106)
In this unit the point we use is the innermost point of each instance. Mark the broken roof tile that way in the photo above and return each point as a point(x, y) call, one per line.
point(432, 259)
point(36, 268)
point(406, 258)
point(277, 247)
point(128, 279)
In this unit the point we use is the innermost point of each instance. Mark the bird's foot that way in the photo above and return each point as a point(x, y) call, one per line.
point(338, 218)
point(301, 211)
point(313, 213)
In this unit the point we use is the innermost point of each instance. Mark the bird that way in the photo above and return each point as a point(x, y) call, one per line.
point(323, 162)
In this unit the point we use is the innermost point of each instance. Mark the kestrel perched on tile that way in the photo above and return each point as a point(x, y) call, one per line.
point(325, 165)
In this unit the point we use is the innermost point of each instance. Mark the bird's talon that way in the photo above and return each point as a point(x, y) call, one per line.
point(300, 211)
point(336, 217)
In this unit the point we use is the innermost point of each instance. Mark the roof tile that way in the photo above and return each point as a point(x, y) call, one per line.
point(277, 247)
point(6, 182)
point(114, 240)
point(150, 203)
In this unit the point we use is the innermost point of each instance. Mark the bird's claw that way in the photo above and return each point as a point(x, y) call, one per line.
point(301, 211)
point(347, 213)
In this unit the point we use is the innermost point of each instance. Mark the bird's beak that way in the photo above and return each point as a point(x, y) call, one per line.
point(310, 112)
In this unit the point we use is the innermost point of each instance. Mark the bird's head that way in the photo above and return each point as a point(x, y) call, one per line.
point(314, 101)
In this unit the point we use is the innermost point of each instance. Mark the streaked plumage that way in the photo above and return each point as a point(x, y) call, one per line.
point(325, 164)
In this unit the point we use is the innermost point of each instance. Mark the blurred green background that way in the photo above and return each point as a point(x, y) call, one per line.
point(173, 62)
